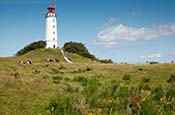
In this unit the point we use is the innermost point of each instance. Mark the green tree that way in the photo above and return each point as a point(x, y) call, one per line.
point(78, 48)
point(32, 46)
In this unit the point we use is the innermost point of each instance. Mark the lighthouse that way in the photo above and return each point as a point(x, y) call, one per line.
point(51, 28)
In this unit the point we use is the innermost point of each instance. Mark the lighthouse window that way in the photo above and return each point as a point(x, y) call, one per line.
point(53, 26)
point(53, 20)
point(54, 39)
point(53, 32)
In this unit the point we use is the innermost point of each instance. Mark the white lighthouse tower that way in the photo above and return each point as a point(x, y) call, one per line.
point(51, 28)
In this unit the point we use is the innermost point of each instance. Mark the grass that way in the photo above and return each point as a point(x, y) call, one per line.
point(84, 88)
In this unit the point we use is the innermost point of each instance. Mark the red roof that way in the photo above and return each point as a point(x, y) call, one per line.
point(51, 6)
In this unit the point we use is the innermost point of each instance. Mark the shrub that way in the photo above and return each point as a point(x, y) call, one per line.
point(153, 62)
point(146, 80)
point(140, 69)
point(79, 49)
point(62, 67)
point(158, 93)
point(16, 75)
point(170, 93)
point(67, 79)
point(32, 46)
point(56, 79)
point(146, 87)
point(127, 77)
point(83, 80)
point(106, 61)
point(57, 70)
point(36, 71)
point(149, 107)
point(88, 69)
point(63, 105)
point(91, 87)
point(171, 79)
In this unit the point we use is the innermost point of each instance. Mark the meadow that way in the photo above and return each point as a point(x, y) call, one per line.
point(85, 87)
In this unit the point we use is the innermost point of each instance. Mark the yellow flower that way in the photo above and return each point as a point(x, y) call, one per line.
point(90, 113)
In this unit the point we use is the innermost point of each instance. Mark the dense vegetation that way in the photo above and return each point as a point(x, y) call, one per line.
point(87, 88)
point(113, 98)
point(78, 48)
point(32, 46)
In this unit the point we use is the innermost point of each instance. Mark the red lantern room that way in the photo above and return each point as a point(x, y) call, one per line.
point(51, 7)
point(51, 12)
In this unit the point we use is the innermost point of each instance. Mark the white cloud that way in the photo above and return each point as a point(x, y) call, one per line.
point(113, 35)
point(142, 57)
point(156, 55)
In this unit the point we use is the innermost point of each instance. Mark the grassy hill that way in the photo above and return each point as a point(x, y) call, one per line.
point(83, 88)
point(40, 56)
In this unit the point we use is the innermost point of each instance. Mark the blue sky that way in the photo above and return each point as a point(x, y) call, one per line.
point(123, 30)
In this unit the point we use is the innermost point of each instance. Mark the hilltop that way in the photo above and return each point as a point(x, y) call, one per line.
point(41, 55)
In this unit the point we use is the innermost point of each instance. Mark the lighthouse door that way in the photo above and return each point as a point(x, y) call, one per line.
point(53, 46)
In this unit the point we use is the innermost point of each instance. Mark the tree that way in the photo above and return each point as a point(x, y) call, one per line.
point(32, 46)
point(78, 48)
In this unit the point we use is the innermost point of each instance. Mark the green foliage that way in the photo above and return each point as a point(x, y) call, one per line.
point(32, 46)
point(56, 79)
point(158, 93)
point(97, 89)
point(79, 49)
point(83, 80)
point(170, 93)
point(140, 69)
point(127, 77)
point(171, 79)
point(36, 71)
point(62, 67)
point(92, 87)
point(146, 80)
point(153, 62)
point(149, 107)
point(63, 105)
point(107, 61)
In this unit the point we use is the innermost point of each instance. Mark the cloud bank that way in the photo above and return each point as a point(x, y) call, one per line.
point(113, 35)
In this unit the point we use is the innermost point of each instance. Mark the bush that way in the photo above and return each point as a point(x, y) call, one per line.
point(146, 87)
point(30, 47)
point(146, 80)
point(63, 105)
point(56, 79)
point(81, 79)
point(62, 67)
point(148, 107)
point(106, 61)
point(127, 77)
point(140, 69)
point(153, 62)
point(88, 69)
point(158, 93)
point(79, 49)
point(36, 71)
point(171, 79)
point(91, 87)
point(170, 93)
point(16, 75)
